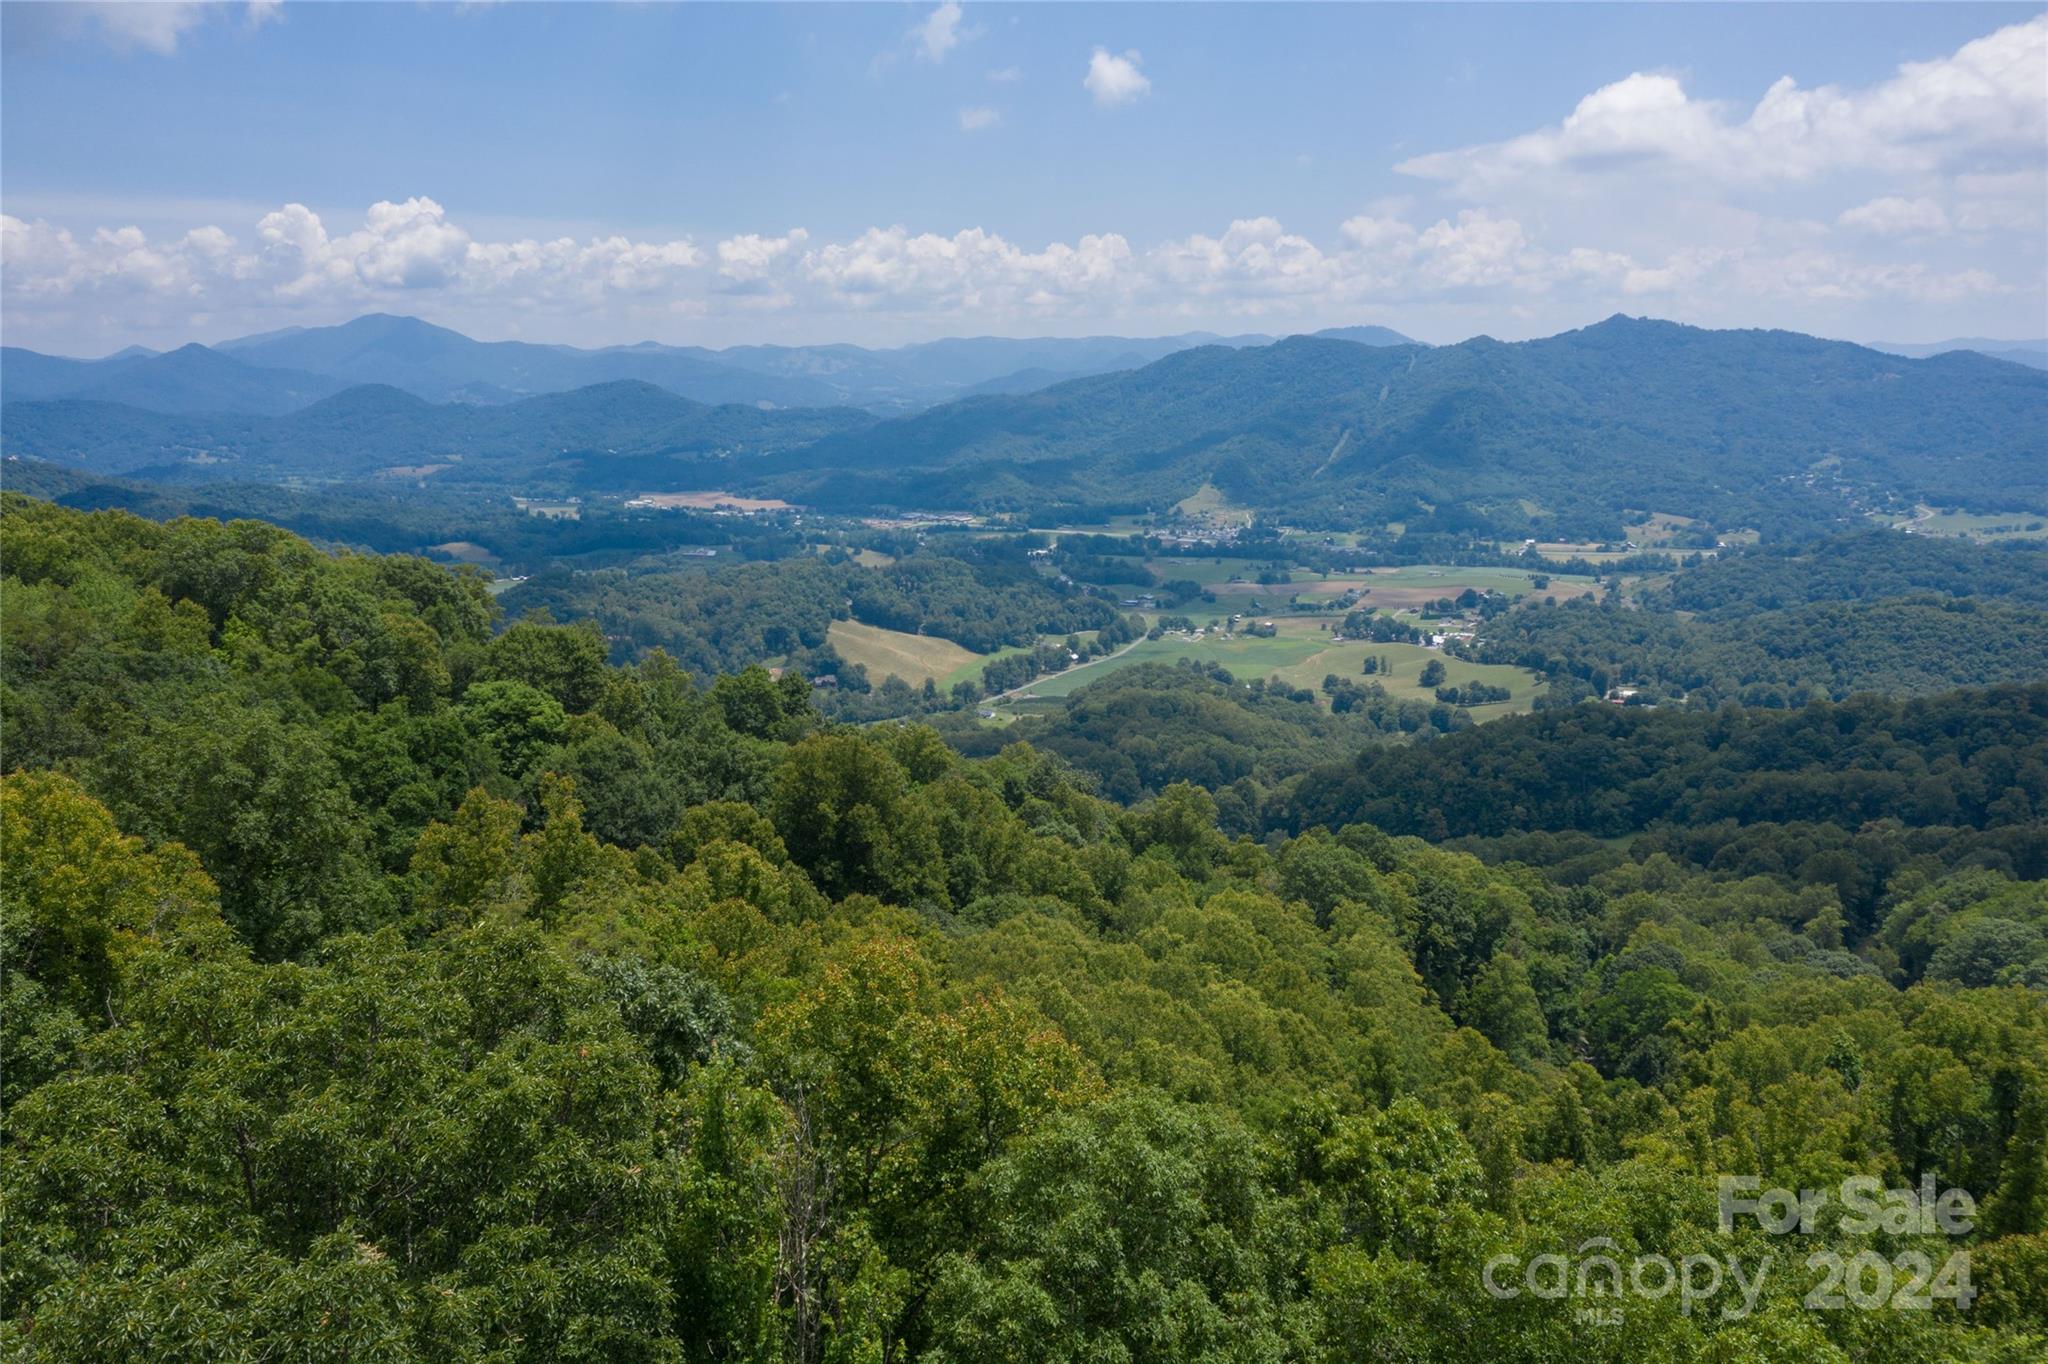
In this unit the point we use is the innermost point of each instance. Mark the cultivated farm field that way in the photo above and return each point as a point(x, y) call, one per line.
point(1301, 655)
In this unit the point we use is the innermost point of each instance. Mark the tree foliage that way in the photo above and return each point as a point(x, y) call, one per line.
point(552, 1010)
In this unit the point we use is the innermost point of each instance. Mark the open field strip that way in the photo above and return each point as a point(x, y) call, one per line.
point(1975, 525)
point(1388, 588)
point(913, 658)
point(1302, 655)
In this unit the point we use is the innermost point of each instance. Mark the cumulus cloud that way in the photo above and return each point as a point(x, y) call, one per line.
point(1255, 259)
point(1114, 79)
point(972, 270)
point(750, 264)
point(938, 32)
point(1987, 99)
point(409, 255)
point(976, 119)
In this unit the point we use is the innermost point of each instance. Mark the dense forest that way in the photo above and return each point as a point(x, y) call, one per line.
point(1868, 565)
point(623, 434)
point(721, 619)
point(1771, 430)
point(1871, 611)
point(1141, 730)
point(387, 982)
point(1773, 658)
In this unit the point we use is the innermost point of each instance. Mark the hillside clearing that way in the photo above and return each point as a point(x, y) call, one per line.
point(1301, 656)
point(914, 658)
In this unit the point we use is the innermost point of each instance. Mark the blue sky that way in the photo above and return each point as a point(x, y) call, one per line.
point(881, 173)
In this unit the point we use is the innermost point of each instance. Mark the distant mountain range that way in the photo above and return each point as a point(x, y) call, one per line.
point(2031, 353)
point(624, 434)
point(283, 371)
point(1728, 425)
point(1557, 435)
point(190, 379)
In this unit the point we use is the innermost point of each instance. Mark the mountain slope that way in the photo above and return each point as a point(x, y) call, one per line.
point(1367, 336)
point(442, 365)
point(1556, 437)
point(190, 379)
point(2033, 354)
point(279, 371)
point(623, 434)
point(909, 378)
point(1626, 414)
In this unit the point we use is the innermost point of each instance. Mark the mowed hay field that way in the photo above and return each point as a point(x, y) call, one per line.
point(1302, 655)
point(913, 658)
point(1387, 588)
point(1976, 525)
point(1404, 666)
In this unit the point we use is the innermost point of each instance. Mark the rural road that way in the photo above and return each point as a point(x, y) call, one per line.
point(1064, 672)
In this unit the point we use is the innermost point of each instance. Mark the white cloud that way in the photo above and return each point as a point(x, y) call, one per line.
point(410, 255)
point(155, 26)
point(1893, 216)
point(1256, 258)
point(938, 32)
point(972, 270)
point(1987, 99)
point(977, 119)
point(1115, 80)
point(749, 264)
point(1479, 250)
point(1006, 75)
point(150, 27)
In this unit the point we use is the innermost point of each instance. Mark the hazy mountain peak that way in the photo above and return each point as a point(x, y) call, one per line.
point(1366, 336)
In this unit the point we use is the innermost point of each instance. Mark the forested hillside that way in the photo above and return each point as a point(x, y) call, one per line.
point(1900, 646)
point(1564, 436)
point(384, 984)
point(1969, 758)
point(280, 371)
point(723, 619)
point(189, 379)
point(1737, 428)
point(1781, 624)
point(1864, 566)
point(622, 435)
point(1141, 730)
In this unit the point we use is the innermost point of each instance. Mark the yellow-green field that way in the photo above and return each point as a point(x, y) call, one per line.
point(466, 552)
point(1414, 584)
point(910, 657)
point(1405, 663)
point(1560, 551)
point(1115, 525)
point(1302, 655)
point(1388, 588)
point(1208, 503)
point(2013, 525)
point(1661, 529)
